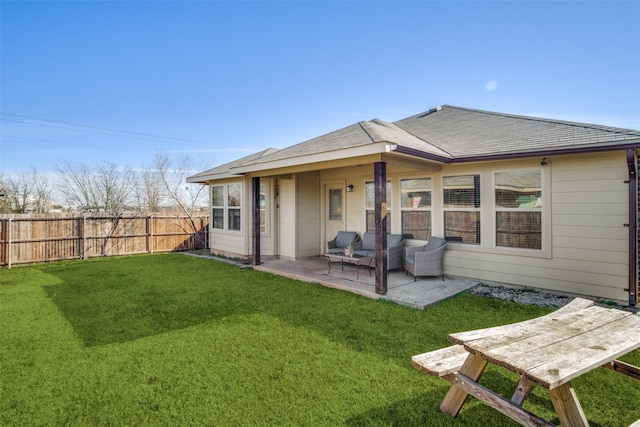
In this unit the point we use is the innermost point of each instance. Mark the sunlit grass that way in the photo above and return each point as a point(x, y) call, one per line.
point(168, 339)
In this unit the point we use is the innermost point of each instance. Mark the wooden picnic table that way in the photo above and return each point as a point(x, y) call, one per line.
point(548, 351)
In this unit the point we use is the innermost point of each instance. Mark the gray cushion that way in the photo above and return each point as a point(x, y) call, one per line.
point(345, 238)
point(369, 242)
point(394, 240)
point(434, 243)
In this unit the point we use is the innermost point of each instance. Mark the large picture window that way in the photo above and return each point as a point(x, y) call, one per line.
point(370, 196)
point(461, 202)
point(518, 209)
point(415, 205)
point(226, 205)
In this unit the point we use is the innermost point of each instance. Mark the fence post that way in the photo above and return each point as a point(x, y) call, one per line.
point(150, 234)
point(9, 243)
point(84, 237)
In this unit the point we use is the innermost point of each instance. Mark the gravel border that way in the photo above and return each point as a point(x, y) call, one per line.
point(537, 297)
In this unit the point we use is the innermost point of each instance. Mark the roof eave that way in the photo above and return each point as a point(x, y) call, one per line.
point(423, 154)
point(634, 144)
point(205, 179)
point(351, 152)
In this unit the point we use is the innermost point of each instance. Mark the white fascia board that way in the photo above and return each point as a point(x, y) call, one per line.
point(363, 150)
point(205, 179)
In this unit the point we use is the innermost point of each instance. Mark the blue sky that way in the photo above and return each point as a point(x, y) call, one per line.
point(115, 81)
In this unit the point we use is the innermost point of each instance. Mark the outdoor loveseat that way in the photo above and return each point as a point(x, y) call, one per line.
point(395, 248)
point(425, 260)
point(341, 241)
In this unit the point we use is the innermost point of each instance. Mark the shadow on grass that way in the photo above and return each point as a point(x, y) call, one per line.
point(123, 299)
point(417, 411)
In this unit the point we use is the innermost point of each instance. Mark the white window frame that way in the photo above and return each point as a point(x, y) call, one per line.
point(545, 212)
point(477, 209)
point(428, 208)
point(368, 208)
point(266, 193)
point(226, 208)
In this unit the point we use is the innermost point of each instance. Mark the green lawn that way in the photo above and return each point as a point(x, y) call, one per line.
point(168, 339)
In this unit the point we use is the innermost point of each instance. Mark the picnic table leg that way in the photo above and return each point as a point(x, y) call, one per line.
point(567, 406)
point(454, 400)
point(522, 391)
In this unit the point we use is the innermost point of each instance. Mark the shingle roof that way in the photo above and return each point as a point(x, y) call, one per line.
point(228, 167)
point(464, 132)
point(359, 134)
point(450, 133)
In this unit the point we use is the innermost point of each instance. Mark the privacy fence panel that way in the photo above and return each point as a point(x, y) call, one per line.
point(31, 240)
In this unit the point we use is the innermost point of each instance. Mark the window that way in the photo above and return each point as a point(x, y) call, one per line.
point(233, 197)
point(518, 207)
point(335, 204)
point(226, 199)
point(415, 205)
point(263, 207)
point(217, 214)
point(461, 198)
point(370, 196)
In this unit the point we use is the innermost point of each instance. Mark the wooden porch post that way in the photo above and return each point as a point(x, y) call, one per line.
point(255, 249)
point(380, 203)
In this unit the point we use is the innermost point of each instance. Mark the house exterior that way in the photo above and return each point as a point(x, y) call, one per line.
point(528, 201)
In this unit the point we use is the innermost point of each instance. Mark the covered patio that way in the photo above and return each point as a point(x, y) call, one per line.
point(401, 288)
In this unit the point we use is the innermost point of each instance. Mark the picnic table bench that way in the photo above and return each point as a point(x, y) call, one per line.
point(549, 351)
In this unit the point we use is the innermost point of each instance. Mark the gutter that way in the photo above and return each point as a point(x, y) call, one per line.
point(634, 145)
point(633, 221)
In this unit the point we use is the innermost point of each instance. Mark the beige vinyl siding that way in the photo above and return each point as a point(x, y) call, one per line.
point(589, 242)
point(287, 217)
point(308, 207)
point(232, 243)
point(228, 244)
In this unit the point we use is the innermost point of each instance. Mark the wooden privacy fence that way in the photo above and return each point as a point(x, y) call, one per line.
point(31, 240)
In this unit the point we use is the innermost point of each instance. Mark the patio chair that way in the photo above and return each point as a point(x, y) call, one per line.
point(425, 260)
point(341, 241)
point(395, 248)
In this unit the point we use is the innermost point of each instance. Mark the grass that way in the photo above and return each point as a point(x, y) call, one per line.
point(167, 339)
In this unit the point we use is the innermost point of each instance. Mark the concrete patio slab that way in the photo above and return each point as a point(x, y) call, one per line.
point(401, 288)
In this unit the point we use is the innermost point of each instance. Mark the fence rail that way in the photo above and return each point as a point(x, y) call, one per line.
point(26, 240)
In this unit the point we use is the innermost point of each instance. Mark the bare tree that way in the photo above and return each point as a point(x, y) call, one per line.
point(26, 192)
point(5, 203)
point(149, 190)
point(187, 199)
point(41, 193)
point(17, 193)
point(102, 188)
point(76, 185)
point(115, 185)
point(172, 173)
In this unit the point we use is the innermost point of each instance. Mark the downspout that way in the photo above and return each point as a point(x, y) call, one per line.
point(633, 221)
